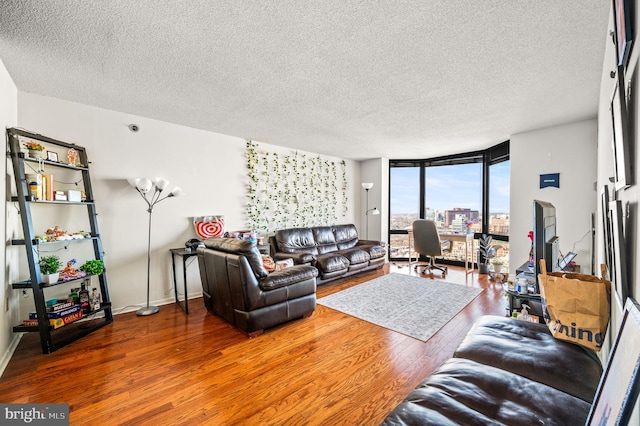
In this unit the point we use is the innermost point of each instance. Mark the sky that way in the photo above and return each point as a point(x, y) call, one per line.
point(448, 187)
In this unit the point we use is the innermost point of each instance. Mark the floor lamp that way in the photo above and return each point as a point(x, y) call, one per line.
point(367, 186)
point(152, 194)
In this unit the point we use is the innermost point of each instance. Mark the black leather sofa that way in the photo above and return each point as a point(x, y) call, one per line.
point(336, 251)
point(506, 372)
point(236, 287)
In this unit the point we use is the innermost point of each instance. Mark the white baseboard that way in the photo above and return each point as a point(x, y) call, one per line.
point(160, 302)
point(6, 357)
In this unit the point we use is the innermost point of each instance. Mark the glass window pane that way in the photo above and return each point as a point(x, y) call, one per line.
point(500, 263)
point(404, 196)
point(399, 246)
point(499, 198)
point(453, 197)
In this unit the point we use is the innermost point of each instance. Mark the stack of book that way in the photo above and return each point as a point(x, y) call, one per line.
point(41, 186)
point(64, 312)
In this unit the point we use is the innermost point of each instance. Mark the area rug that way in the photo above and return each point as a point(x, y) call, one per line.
point(417, 307)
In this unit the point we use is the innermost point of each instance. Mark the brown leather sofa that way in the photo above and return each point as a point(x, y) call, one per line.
point(506, 371)
point(336, 251)
point(236, 286)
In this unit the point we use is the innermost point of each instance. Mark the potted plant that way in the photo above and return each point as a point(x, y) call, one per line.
point(49, 266)
point(93, 267)
point(487, 251)
point(498, 270)
point(35, 149)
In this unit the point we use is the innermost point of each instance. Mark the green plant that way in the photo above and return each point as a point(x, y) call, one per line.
point(292, 190)
point(93, 267)
point(33, 146)
point(487, 248)
point(50, 264)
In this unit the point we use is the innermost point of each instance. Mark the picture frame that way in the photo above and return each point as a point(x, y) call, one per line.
point(52, 156)
point(620, 134)
point(618, 267)
point(623, 31)
point(620, 384)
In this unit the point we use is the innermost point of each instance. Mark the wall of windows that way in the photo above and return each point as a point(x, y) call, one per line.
point(457, 192)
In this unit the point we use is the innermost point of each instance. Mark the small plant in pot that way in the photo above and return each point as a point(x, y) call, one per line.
point(49, 267)
point(35, 149)
point(487, 251)
point(93, 267)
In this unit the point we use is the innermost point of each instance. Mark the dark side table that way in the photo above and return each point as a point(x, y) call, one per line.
point(184, 254)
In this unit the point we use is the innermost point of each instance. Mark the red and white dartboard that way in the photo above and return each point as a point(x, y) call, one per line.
point(208, 226)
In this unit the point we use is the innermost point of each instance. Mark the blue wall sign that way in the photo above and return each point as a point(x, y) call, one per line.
point(550, 180)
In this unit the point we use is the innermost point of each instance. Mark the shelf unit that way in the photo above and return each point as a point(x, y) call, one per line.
point(53, 339)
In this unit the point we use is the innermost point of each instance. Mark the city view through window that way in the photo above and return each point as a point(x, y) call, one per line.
point(453, 199)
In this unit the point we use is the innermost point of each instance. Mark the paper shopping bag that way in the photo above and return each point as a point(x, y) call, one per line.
point(576, 307)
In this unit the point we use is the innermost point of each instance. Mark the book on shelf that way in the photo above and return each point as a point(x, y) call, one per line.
point(56, 322)
point(47, 187)
point(58, 314)
point(59, 306)
point(41, 186)
point(67, 319)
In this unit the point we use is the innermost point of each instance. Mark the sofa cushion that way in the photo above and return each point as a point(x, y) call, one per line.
point(296, 240)
point(463, 392)
point(325, 239)
point(355, 255)
point(242, 247)
point(375, 252)
point(529, 350)
point(331, 262)
point(346, 236)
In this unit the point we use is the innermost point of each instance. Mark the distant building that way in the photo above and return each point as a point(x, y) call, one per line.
point(468, 214)
point(499, 224)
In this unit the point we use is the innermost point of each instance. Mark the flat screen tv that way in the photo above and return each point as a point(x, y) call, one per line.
point(545, 240)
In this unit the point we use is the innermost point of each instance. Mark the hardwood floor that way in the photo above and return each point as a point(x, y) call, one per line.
point(170, 368)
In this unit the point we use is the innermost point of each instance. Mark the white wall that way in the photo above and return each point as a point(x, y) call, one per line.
point(209, 167)
point(8, 301)
point(570, 150)
point(630, 197)
point(377, 172)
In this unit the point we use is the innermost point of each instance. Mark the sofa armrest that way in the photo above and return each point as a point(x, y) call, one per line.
point(371, 243)
point(298, 258)
point(288, 276)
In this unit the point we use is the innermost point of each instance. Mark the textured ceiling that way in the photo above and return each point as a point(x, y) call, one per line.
point(353, 79)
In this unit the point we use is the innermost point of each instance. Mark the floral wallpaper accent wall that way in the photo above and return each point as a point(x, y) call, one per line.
point(294, 190)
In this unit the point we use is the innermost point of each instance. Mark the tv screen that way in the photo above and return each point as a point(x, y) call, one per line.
point(545, 240)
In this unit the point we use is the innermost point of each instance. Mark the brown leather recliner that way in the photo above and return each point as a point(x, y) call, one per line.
point(236, 286)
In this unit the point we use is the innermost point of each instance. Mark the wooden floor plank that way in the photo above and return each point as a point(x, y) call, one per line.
point(172, 368)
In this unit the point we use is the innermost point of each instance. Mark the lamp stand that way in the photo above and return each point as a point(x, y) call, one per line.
point(148, 310)
point(366, 214)
point(154, 191)
point(367, 186)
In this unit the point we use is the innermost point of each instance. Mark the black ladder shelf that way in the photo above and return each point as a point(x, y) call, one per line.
point(51, 339)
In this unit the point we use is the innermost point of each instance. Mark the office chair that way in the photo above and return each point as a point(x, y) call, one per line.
point(426, 242)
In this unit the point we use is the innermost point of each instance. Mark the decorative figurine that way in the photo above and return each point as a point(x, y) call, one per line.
point(72, 154)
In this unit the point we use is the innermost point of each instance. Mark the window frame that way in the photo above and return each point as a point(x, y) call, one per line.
point(491, 156)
